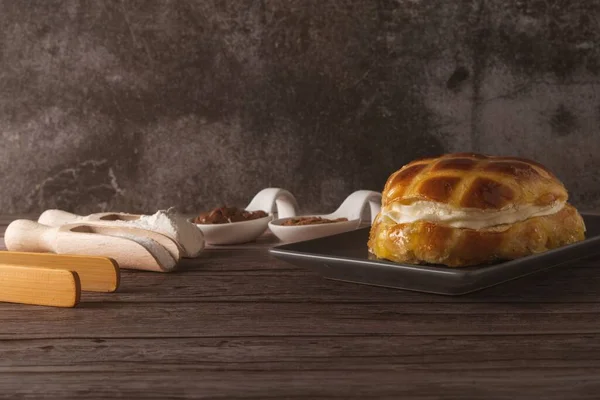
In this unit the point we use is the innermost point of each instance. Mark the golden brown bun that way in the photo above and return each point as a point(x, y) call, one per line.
point(474, 181)
point(426, 242)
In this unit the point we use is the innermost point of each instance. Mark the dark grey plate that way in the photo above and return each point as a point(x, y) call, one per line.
point(344, 257)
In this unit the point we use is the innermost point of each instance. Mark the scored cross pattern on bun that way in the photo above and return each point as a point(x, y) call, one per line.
point(467, 209)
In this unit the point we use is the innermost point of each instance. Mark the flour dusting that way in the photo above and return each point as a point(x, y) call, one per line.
point(172, 224)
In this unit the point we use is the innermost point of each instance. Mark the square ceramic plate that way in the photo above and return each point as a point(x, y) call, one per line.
point(344, 257)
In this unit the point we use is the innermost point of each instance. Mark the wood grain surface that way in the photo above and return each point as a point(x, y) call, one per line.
point(237, 324)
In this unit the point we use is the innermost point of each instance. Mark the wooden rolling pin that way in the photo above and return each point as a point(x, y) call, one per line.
point(96, 274)
point(131, 248)
point(39, 286)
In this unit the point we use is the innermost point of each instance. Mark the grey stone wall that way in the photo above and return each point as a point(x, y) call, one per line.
point(141, 105)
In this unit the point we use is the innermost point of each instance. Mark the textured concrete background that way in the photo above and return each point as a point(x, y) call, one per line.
point(140, 105)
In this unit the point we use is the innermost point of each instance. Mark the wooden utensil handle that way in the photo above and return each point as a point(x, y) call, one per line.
point(39, 286)
point(58, 217)
point(26, 235)
point(96, 274)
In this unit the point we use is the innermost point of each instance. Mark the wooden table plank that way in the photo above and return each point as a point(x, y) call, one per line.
point(300, 353)
point(294, 319)
point(553, 384)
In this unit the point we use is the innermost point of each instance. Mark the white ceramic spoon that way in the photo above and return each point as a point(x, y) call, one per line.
point(246, 231)
point(352, 208)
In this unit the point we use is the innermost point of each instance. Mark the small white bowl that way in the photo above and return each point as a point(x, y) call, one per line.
point(352, 208)
point(246, 231)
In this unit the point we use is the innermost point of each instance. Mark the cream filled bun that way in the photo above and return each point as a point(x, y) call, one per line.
point(467, 209)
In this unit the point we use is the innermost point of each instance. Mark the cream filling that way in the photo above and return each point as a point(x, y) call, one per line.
point(471, 218)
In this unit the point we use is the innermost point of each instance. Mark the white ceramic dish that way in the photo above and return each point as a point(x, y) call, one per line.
point(352, 208)
point(267, 200)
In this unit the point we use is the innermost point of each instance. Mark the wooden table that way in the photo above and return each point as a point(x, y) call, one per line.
point(237, 324)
